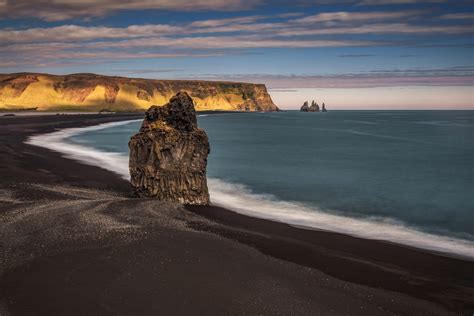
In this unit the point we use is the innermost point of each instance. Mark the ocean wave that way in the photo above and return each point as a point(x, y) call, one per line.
point(112, 161)
point(240, 199)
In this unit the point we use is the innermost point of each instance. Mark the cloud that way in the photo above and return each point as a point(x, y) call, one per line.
point(218, 37)
point(458, 16)
point(389, 2)
point(334, 23)
point(69, 33)
point(452, 71)
point(354, 16)
point(124, 55)
point(283, 90)
point(32, 54)
point(290, 15)
point(43, 53)
point(355, 55)
point(227, 42)
point(222, 22)
point(391, 28)
point(58, 10)
point(455, 76)
point(144, 71)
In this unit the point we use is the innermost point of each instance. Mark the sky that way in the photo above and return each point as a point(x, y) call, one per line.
point(350, 54)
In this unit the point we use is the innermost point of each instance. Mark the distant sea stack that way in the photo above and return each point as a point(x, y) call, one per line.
point(305, 107)
point(91, 92)
point(324, 108)
point(168, 157)
point(313, 108)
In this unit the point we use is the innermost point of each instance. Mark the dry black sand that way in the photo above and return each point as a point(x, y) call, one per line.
point(72, 242)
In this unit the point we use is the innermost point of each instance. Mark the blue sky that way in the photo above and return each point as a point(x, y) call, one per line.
point(349, 53)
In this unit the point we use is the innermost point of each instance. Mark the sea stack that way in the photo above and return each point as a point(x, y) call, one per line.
point(305, 107)
point(314, 107)
point(324, 108)
point(168, 157)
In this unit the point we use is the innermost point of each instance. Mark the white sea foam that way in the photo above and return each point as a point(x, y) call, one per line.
point(240, 199)
point(113, 161)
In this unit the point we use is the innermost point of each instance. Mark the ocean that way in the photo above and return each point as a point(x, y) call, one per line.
point(399, 176)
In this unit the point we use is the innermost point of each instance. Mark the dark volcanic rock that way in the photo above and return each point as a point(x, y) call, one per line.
point(314, 107)
point(305, 107)
point(168, 157)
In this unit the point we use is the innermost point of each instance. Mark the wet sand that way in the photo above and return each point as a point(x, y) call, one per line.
point(72, 242)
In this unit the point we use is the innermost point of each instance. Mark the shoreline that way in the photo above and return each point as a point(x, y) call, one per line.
point(416, 273)
point(307, 218)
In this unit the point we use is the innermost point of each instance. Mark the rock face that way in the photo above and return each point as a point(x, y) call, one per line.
point(91, 92)
point(324, 108)
point(305, 107)
point(168, 157)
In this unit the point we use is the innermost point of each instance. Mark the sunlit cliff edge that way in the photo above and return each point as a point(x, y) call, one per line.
point(91, 92)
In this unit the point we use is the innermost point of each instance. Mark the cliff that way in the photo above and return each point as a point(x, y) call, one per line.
point(168, 157)
point(90, 92)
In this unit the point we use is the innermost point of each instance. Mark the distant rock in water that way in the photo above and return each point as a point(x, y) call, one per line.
point(324, 108)
point(305, 107)
point(314, 107)
point(168, 157)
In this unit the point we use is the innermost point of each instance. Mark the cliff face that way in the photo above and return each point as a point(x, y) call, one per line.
point(90, 92)
point(168, 157)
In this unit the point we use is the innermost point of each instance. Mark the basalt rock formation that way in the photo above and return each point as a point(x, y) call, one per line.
point(314, 107)
point(91, 92)
point(168, 156)
point(305, 107)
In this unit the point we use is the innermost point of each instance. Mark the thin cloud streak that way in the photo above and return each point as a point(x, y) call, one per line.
point(206, 43)
point(355, 16)
point(392, 2)
point(355, 55)
point(458, 16)
point(395, 28)
point(227, 42)
point(463, 76)
point(59, 10)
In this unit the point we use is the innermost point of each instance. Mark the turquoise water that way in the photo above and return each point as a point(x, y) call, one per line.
point(412, 168)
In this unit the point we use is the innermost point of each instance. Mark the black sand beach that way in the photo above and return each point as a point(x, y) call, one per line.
point(72, 242)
